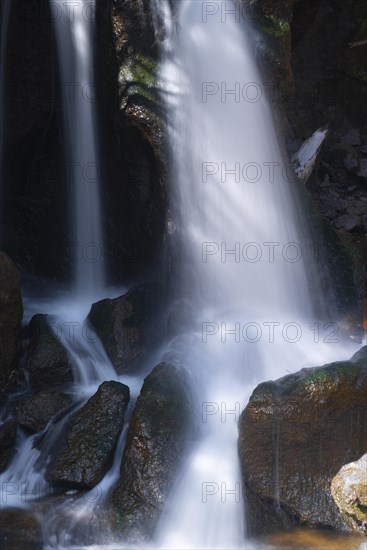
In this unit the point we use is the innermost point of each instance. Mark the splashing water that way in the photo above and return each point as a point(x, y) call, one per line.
point(243, 284)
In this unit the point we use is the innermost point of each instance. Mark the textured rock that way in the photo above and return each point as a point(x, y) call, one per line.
point(20, 530)
point(87, 452)
point(48, 362)
point(36, 411)
point(133, 138)
point(156, 442)
point(124, 325)
point(8, 432)
point(295, 434)
point(11, 312)
point(349, 490)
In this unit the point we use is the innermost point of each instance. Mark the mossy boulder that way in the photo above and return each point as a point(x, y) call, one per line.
point(159, 433)
point(294, 436)
point(349, 490)
point(91, 436)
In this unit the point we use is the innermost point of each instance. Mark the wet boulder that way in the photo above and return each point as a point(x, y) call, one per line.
point(11, 312)
point(8, 431)
point(124, 325)
point(90, 440)
point(34, 413)
point(159, 433)
point(19, 529)
point(48, 362)
point(349, 490)
point(294, 436)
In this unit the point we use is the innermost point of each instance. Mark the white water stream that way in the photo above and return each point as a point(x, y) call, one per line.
point(243, 278)
point(74, 30)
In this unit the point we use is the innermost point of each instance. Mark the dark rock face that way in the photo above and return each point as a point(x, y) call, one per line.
point(8, 432)
point(19, 529)
point(349, 490)
point(11, 312)
point(48, 362)
point(124, 325)
point(313, 53)
point(295, 434)
point(158, 436)
point(34, 192)
point(91, 438)
point(132, 137)
point(330, 88)
point(36, 411)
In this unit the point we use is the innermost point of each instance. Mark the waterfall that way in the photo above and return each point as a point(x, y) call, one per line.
point(242, 294)
point(241, 281)
point(5, 9)
point(74, 30)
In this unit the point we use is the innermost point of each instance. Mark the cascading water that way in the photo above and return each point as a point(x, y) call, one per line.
point(243, 277)
point(74, 31)
point(23, 484)
point(243, 287)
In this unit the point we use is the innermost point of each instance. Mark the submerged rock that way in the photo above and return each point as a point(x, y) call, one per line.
point(349, 490)
point(19, 529)
point(11, 312)
point(87, 452)
point(48, 362)
point(36, 411)
point(295, 434)
point(124, 325)
point(158, 437)
point(8, 431)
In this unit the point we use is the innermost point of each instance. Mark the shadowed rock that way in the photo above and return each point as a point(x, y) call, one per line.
point(124, 325)
point(91, 438)
point(11, 312)
point(19, 529)
point(48, 362)
point(36, 411)
point(8, 432)
point(158, 437)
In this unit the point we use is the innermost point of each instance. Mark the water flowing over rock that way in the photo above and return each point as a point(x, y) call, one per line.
point(91, 437)
point(11, 312)
point(124, 325)
point(19, 530)
point(349, 490)
point(295, 434)
point(33, 413)
point(158, 436)
point(48, 362)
